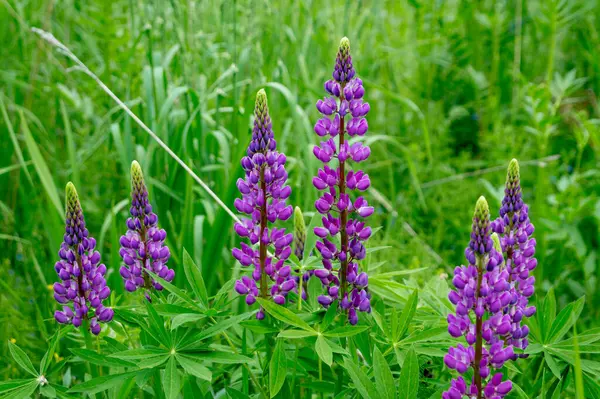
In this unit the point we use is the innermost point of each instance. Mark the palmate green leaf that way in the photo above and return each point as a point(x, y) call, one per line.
point(283, 314)
point(277, 368)
point(220, 357)
point(296, 334)
point(324, 350)
point(184, 318)
point(143, 358)
point(193, 366)
point(258, 326)
point(551, 362)
point(384, 380)
point(565, 320)
point(101, 360)
point(329, 315)
point(23, 391)
point(217, 328)
point(176, 291)
point(157, 325)
point(547, 314)
point(408, 384)
point(519, 392)
point(21, 358)
point(103, 383)
point(345, 331)
point(425, 335)
point(47, 359)
point(9, 385)
point(361, 382)
point(194, 276)
point(171, 379)
point(400, 324)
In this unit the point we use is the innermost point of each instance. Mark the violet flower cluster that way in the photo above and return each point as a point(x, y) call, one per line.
point(143, 247)
point(344, 101)
point(482, 290)
point(82, 275)
point(515, 230)
point(264, 194)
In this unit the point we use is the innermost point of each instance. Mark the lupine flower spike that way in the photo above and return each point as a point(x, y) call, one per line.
point(344, 112)
point(482, 290)
point(82, 275)
point(143, 246)
point(264, 193)
point(515, 231)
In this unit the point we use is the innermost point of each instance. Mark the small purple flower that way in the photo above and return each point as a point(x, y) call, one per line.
point(482, 293)
point(343, 115)
point(264, 194)
point(515, 231)
point(143, 246)
point(82, 275)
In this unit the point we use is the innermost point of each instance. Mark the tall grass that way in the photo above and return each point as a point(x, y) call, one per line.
point(455, 87)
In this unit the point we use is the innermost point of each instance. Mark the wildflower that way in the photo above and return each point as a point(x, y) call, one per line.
point(343, 113)
point(82, 282)
point(515, 231)
point(264, 193)
point(143, 247)
point(482, 290)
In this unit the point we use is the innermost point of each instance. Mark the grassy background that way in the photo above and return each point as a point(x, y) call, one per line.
point(457, 89)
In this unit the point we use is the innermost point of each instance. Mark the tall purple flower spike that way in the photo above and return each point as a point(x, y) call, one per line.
point(143, 246)
point(264, 193)
point(482, 290)
point(515, 231)
point(81, 273)
point(341, 275)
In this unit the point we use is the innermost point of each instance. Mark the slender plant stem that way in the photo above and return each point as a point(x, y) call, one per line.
point(344, 213)
point(478, 330)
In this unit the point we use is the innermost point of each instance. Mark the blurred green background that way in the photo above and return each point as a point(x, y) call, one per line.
point(456, 88)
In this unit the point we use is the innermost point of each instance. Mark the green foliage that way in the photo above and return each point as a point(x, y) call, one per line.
point(457, 89)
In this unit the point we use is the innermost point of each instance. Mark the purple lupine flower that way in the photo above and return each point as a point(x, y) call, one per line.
point(482, 290)
point(515, 231)
point(81, 273)
point(264, 194)
point(343, 113)
point(143, 246)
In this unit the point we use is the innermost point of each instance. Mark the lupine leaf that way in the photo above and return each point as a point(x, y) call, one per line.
point(425, 335)
point(171, 380)
point(175, 291)
point(157, 324)
point(193, 366)
point(406, 316)
point(346, 331)
point(101, 360)
point(277, 368)
point(23, 391)
point(220, 357)
point(194, 276)
point(295, 334)
point(215, 329)
point(9, 385)
point(283, 314)
point(47, 359)
point(565, 320)
point(324, 350)
point(383, 376)
point(103, 383)
point(22, 359)
point(363, 385)
point(409, 376)
point(547, 314)
point(552, 364)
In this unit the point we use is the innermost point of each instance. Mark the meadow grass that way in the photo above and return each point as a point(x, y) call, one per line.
point(456, 89)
